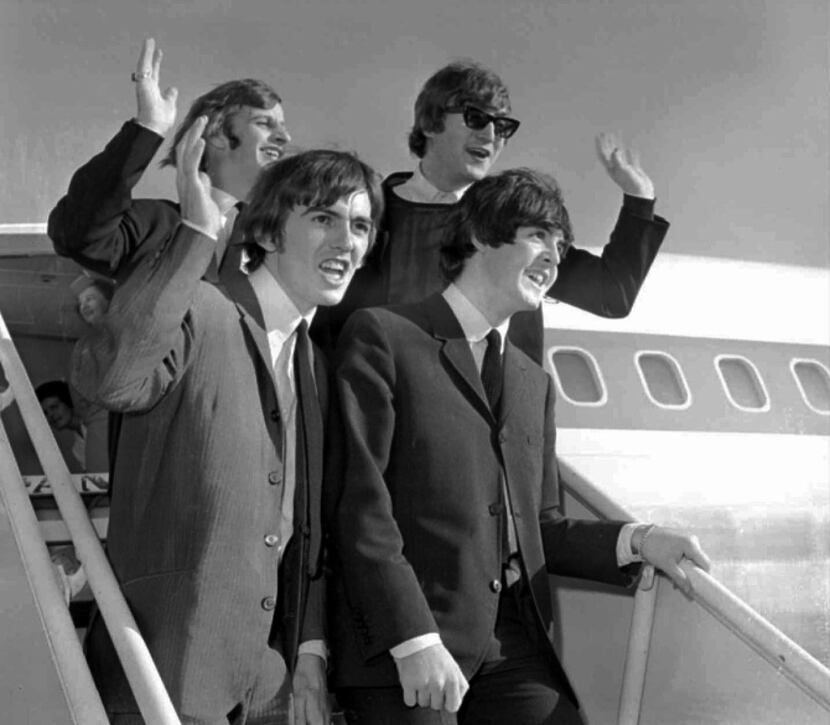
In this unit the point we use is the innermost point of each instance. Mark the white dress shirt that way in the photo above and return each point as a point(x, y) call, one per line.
point(281, 318)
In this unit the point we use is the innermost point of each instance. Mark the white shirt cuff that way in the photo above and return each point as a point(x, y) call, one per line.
point(416, 644)
point(314, 647)
point(624, 554)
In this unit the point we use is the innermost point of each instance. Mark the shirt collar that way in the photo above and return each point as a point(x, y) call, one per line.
point(473, 323)
point(223, 199)
point(419, 189)
point(279, 313)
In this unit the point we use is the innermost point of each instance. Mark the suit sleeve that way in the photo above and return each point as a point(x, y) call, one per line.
point(147, 339)
point(385, 599)
point(608, 285)
point(97, 223)
point(579, 548)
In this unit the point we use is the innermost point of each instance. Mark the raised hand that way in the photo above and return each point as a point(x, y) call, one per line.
point(194, 185)
point(432, 678)
point(156, 108)
point(623, 166)
point(664, 548)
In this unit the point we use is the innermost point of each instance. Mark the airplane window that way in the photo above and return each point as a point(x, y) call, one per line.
point(577, 376)
point(663, 380)
point(813, 381)
point(742, 383)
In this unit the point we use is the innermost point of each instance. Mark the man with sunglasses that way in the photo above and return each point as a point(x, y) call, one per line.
point(462, 124)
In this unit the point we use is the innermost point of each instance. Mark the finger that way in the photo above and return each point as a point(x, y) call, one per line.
point(409, 697)
point(299, 709)
point(423, 697)
point(170, 94)
point(192, 145)
point(157, 55)
point(678, 576)
point(695, 553)
point(145, 59)
point(452, 697)
point(437, 696)
point(605, 146)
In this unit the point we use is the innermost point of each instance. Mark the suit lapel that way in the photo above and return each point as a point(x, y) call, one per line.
point(456, 352)
point(239, 288)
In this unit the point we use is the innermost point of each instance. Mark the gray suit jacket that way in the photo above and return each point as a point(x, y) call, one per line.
point(199, 484)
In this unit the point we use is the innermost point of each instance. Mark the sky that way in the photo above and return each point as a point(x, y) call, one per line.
point(727, 103)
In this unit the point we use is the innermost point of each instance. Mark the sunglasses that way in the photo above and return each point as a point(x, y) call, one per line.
point(476, 119)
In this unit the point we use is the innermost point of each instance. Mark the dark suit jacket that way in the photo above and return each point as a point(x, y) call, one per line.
point(199, 484)
point(419, 502)
point(606, 285)
point(98, 223)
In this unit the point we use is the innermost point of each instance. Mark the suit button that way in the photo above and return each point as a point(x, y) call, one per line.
point(272, 540)
point(275, 414)
point(494, 509)
point(495, 586)
point(274, 478)
point(502, 437)
point(269, 603)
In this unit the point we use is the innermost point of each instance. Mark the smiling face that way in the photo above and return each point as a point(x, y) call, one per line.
point(518, 275)
point(458, 156)
point(92, 305)
point(257, 137)
point(58, 413)
point(321, 249)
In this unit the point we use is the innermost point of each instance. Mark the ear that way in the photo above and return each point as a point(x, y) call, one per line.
point(269, 245)
point(218, 141)
point(477, 244)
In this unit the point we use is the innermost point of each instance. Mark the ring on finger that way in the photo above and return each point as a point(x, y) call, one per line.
point(141, 76)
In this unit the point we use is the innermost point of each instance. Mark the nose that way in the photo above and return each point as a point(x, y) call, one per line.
point(280, 134)
point(342, 238)
point(488, 132)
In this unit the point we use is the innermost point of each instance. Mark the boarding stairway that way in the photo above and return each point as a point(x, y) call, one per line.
point(622, 651)
point(33, 700)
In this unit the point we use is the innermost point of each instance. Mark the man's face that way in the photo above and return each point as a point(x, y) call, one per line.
point(92, 305)
point(464, 154)
point(260, 137)
point(58, 413)
point(322, 247)
point(521, 273)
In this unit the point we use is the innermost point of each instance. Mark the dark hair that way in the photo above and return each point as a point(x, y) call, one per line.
point(220, 105)
point(55, 389)
point(104, 286)
point(494, 207)
point(311, 178)
point(460, 82)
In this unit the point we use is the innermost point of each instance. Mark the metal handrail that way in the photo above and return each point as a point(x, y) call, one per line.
point(84, 703)
point(139, 668)
point(788, 658)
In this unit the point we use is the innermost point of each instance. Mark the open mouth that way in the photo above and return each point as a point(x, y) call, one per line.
point(335, 269)
point(538, 278)
point(479, 153)
point(273, 153)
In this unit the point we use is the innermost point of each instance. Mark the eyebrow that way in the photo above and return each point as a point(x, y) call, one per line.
point(328, 210)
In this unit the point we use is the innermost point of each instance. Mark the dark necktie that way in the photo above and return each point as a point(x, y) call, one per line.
point(491, 371)
point(309, 434)
point(492, 377)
